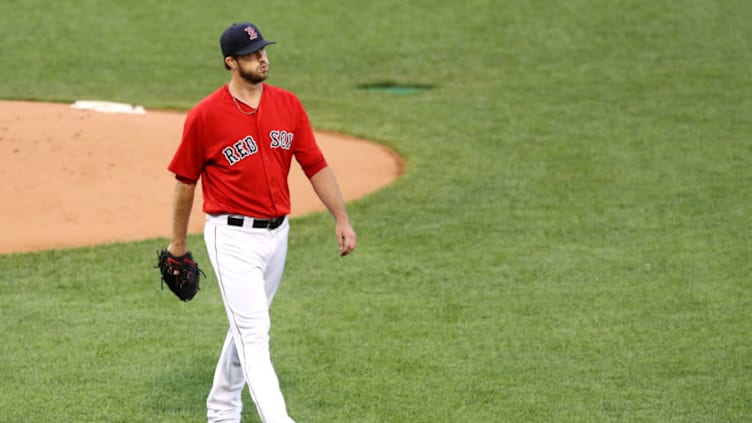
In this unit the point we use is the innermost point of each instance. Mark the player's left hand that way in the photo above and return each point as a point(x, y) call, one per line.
point(346, 238)
point(181, 273)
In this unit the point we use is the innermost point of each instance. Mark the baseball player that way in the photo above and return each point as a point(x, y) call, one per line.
point(240, 141)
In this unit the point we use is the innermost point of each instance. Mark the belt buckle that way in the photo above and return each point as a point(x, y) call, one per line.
point(261, 223)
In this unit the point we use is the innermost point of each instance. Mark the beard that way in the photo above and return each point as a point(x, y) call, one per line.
point(253, 77)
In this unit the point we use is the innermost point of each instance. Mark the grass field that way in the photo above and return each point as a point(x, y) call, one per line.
point(570, 241)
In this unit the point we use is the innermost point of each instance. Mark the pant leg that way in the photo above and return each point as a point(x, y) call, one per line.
point(248, 264)
point(225, 403)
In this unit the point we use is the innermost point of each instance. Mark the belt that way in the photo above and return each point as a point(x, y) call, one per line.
point(272, 223)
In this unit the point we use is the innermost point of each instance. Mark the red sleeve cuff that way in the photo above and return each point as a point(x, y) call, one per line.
point(315, 167)
point(185, 180)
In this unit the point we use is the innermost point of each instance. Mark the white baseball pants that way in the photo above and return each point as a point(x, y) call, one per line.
point(248, 263)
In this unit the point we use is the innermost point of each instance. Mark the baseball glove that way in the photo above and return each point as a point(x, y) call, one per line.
point(181, 274)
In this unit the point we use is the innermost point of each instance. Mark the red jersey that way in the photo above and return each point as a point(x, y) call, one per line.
point(243, 160)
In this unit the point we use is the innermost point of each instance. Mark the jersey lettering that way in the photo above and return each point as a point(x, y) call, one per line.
point(281, 139)
point(230, 155)
point(240, 150)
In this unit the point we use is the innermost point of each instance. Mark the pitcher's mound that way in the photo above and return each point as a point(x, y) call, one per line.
point(77, 176)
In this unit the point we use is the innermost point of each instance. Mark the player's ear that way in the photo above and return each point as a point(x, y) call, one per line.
point(229, 61)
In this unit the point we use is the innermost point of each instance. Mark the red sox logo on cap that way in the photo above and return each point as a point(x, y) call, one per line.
point(252, 34)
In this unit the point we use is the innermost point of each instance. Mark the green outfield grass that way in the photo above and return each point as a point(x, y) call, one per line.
point(570, 241)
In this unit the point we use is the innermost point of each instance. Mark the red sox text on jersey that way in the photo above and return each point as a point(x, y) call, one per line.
point(247, 146)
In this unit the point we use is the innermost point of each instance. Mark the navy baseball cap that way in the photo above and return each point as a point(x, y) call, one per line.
point(242, 38)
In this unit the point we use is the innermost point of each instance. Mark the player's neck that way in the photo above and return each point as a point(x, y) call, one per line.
point(246, 92)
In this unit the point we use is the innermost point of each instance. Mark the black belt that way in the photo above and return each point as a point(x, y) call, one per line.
point(272, 223)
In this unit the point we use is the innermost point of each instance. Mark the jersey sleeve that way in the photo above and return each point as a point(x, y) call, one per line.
point(188, 162)
point(307, 152)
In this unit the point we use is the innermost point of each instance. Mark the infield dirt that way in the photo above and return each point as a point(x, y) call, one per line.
point(81, 177)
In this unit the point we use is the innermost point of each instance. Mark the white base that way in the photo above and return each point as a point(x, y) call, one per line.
point(108, 107)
